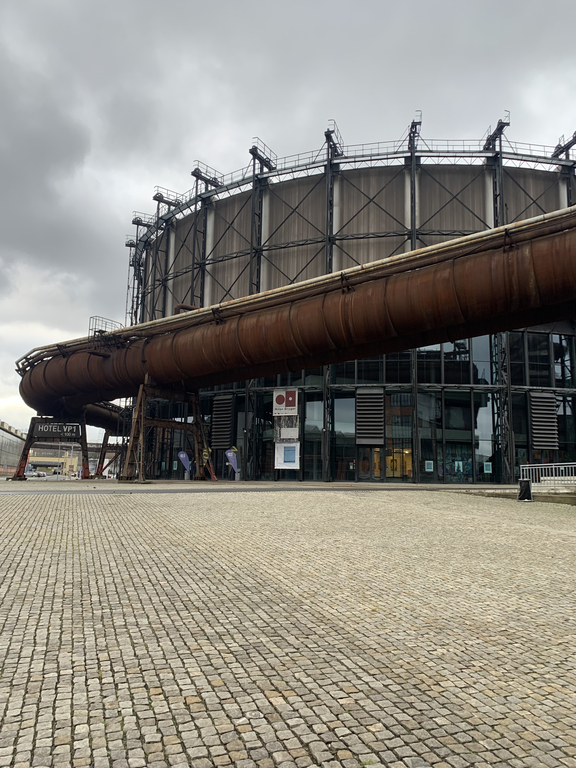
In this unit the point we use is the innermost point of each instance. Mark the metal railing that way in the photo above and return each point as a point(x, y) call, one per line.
point(98, 325)
point(549, 474)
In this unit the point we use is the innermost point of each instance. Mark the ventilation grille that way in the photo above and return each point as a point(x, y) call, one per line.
point(222, 422)
point(543, 420)
point(370, 416)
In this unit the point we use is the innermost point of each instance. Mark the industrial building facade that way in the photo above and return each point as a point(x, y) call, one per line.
point(472, 410)
point(11, 442)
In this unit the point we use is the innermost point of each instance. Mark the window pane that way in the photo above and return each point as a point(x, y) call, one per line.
point(457, 362)
point(290, 379)
point(344, 373)
point(370, 370)
point(430, 435)
point(344, 418)
point(517, 362)
point(398, 413)
point(539, 359)
point(313, 423)
point(344, 438)
point(566, 420)
point(399, 367)
point(520, 419)
point(563, 360)
point(314, 420)
point(458, 415)
point(458, 462)
point(483, 437)
point(481, 356)
point(428, 364)
point(314, 376)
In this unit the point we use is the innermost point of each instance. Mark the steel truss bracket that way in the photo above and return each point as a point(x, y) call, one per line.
point(345, 283)
point(508, 243)
point(496, 135)
point(564, 147)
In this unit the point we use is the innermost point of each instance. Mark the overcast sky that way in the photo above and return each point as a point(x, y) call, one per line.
point(102, 101)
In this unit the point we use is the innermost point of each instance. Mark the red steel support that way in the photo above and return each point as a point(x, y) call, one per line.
point(102, 457)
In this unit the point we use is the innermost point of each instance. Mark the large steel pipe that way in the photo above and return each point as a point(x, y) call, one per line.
point(506, 278)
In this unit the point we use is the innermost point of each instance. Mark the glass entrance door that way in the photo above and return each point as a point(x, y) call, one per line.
point(399, 460)
point(370, 463)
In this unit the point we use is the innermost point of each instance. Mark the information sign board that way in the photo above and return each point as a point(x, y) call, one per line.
point(55, 430)
point(285, 402)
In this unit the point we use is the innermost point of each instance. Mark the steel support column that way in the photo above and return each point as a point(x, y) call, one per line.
point(563, 148)
point(84, 447)
point(28, 443)
point(264, 159)
point(334, 149)
point(170, 237)
point(494, 144)
point(155, 274)
point(503, 432)
point(207, 246)
point(255, 232)
point(102, 456)
point(195, 300)
point(414, 160)
point(415, 429)
point(326, 425)
point(568, 178)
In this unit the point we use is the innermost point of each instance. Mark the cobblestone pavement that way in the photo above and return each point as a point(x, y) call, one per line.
point(289, 629)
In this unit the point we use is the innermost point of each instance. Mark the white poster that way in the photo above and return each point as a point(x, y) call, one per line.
point(285, 402)
point(287, 456)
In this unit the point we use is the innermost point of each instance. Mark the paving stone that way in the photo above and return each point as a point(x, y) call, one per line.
point(342, 628)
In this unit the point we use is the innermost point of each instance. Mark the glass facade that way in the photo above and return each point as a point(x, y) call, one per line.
point(442, 419)
point(11, 445)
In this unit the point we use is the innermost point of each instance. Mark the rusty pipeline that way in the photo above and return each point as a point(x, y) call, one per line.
point(510, 277)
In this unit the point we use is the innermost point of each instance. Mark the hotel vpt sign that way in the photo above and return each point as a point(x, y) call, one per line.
point(55, 430)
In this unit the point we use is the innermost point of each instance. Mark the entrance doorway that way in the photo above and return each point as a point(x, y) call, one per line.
point(370, 463)
point(399, 460)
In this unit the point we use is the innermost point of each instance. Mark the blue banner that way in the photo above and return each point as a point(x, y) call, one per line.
point(183, 456)
point(231, 456)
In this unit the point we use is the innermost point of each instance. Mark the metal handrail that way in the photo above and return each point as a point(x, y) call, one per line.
point(549, 474)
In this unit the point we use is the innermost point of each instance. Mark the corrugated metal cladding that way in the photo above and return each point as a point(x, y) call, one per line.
point(222, 425)
point(544, 420)
point(529, 192)
point(294, 212)
point(370, 423)
point(370, 200)
point(371, 219)
point(454, 199)
point(228, 249)
point(188, 250)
